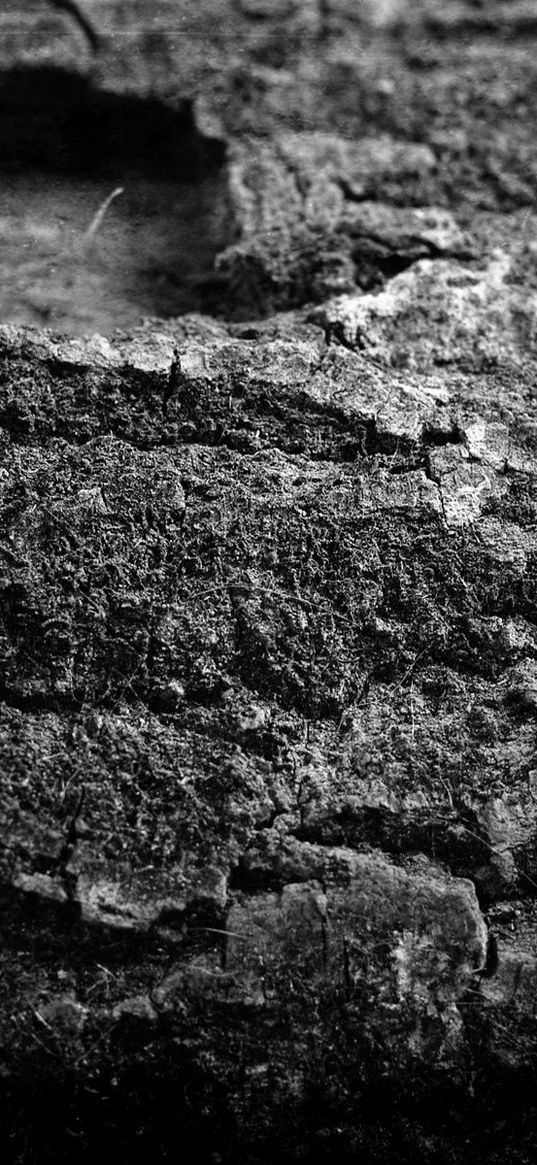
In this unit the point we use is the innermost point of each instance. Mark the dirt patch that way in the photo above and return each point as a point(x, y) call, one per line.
point(111, 209)
point(147, 257)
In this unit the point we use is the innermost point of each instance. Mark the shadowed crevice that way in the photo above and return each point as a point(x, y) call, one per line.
point(114, 206)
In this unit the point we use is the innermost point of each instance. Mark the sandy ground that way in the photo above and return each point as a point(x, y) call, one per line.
point(155, 240)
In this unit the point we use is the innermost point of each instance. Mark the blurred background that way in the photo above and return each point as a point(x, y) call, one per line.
point(159, 97)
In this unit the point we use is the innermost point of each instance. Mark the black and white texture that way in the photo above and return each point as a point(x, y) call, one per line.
point(268, 631)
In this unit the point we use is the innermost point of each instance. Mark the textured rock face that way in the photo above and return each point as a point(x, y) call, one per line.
point(268, 573)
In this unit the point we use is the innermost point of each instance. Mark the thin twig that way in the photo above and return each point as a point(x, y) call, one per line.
point(98, 217)
point(71, 7)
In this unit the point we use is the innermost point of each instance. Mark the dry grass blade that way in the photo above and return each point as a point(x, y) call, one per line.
point(97, 219)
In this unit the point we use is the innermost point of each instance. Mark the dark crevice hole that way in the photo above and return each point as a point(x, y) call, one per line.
point(75, 254)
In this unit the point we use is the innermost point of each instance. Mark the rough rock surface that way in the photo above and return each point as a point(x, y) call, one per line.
point(268, 631)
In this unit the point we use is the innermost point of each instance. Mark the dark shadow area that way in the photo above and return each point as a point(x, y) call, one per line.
point(113, 207)
point(59, 121)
